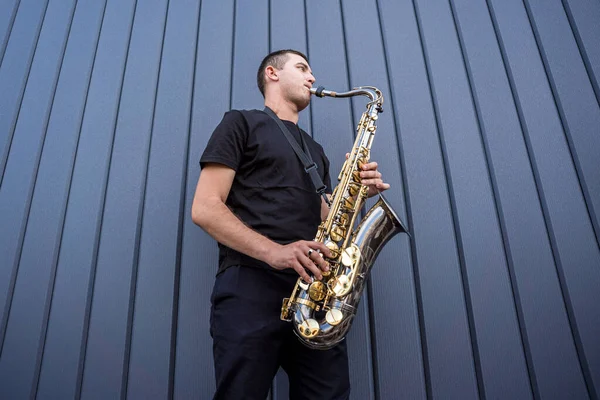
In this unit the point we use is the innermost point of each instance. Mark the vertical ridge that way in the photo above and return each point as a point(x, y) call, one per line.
point(11, 129)
point(50, 295)
point(4, 42)
point(181, 222)
point(407, 202)
point(94, 266)
point(584, 365)
point(30, 191)
point(140, 224)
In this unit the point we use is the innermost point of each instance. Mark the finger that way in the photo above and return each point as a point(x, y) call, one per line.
point(318, 260)
point(321, 247)
point(370, 166)
point(309, 265)
point(302, 272)
point(347, 155)
point(372, 182)
point(370, 174)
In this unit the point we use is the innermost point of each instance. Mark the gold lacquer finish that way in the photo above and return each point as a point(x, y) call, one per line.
point(317, 290)
point(353, 249)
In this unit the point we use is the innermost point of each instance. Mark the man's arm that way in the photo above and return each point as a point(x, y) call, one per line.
point(211, 214)
point(325, 207)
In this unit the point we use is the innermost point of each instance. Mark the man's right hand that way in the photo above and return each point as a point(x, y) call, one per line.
point(301, 256)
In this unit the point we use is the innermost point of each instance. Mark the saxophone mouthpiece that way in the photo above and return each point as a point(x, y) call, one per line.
point(321, 92)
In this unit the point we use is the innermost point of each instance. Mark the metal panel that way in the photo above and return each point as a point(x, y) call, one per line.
point(194, 375)
point(22, 319)
point(14, 71)
point(251, 44)
point(62, 365)
point(13, 78)
point(109, 335)
point(555, 359)
point(150, 372)
point(579, 112)
point(584, 20)
point(7, 19)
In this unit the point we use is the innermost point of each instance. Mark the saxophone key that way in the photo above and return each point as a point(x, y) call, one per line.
point(317, 290)
point(337, 233)
point(351, 255)
point(334, 316)
point(309, 328)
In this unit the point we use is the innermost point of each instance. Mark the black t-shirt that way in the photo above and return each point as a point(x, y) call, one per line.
point(271, 192)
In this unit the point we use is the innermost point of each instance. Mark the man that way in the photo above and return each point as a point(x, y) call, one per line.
point(254, 197)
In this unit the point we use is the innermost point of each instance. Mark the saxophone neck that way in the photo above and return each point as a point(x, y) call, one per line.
point(371, 92)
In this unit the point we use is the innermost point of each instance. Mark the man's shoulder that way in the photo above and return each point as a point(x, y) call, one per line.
point(253, 113)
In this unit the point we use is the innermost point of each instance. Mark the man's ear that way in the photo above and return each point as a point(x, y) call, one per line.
point(271, 73)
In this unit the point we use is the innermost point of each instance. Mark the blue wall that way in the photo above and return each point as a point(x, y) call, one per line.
point(490, 140)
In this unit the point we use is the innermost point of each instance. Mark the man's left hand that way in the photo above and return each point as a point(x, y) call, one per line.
point(372, 178)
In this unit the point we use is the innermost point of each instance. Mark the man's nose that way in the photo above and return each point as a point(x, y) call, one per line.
point(311, 78)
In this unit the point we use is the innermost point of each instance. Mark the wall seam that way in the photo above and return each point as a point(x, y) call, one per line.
point(11, 23)
point(181, 222)
point(30, 191)
point(464, 272)
point(496, 196)
point(581, 48)
point(584, 365)
point(54, 267)
point(94, 263)
point(537, 180)
point(140, 223)
point(452, 202)
point(13, 125)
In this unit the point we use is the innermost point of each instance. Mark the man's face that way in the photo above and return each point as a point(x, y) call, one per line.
point(295, 79)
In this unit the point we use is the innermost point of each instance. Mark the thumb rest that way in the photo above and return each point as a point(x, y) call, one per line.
point(322, 311)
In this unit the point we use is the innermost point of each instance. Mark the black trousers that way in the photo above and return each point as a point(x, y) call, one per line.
point(250, 342)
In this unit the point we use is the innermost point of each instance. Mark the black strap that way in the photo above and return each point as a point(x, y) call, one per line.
point(309, 165)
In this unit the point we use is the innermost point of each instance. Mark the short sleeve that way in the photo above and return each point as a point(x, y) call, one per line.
point(228, 141)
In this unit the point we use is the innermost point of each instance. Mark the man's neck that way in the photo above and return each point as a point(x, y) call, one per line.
point(284, 110)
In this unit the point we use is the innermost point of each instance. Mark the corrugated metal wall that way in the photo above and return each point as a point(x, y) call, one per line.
point(490, 139)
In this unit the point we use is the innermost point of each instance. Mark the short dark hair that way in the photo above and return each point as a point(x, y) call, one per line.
point(276, 59)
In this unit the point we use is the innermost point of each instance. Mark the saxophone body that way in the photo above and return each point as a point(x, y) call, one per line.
point(322, 311)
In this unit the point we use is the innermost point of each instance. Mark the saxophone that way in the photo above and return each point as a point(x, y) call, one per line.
point(322, 311)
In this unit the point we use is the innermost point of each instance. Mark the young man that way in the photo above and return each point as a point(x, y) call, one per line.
point(254, 197)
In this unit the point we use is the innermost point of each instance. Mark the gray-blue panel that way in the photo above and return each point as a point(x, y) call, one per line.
point(8, 12)
point(288, 31)
point(251, 44)
point(504, 366)
point(580, 113)
point(436, 263)
point(19, 356)
point(34, 286)
point(584, 17)
point(13, 76)
point(578, 106)
point(14, 70)
point(445, 309)
point(114, 290)
point(555, 362)
point(65, 343)
point(194, 376)
point(367, 67)
point(149, 371)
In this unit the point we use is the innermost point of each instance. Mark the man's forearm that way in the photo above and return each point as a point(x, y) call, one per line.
point(219, 222)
